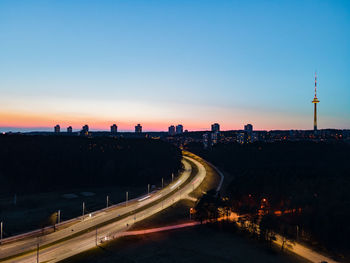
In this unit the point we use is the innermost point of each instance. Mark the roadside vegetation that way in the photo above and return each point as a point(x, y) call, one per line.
point(47, 163)
point(297, 189)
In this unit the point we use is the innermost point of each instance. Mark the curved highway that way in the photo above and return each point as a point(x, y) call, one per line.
point(87, 232)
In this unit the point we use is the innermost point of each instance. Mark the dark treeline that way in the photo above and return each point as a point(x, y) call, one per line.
point(303, 187)
point(46, 163)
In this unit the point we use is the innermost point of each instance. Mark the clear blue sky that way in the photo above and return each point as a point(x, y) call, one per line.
point(166, 62)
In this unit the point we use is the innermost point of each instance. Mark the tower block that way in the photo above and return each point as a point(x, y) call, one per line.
point(315, 101)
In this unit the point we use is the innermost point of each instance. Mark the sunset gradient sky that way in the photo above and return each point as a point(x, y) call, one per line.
point(167, 62)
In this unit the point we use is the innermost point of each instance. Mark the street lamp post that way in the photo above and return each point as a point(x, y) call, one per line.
point(127, 196)
point(107, 201)
point(96, 237)
point(83, 209)
point(172, 177)
point(1, 225)
point(37, 252)
point(59, 216)
point(297, 233)
point(148, 188)
point(162, 182)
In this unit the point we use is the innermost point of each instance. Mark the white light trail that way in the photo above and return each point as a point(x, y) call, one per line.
point(144, 198)
point(175, 184)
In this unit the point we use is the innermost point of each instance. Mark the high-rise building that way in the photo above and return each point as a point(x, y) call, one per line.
point(69, 129)
point(179, 129)
point(85, 130)
point(315, 101)
point(171, 130)
point(248, 133)
point(57, 128)
point(248, 128)
point(114, 129)
point(138, 128)
point(215, 127)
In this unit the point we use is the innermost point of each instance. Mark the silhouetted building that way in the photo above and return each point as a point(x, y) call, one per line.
point(69, 129)
point(138, 128)
point(57, 128)
point(215, 127)
point(85, 130)
point(114, 129)
point(248, 128)
point(179, 129)
point(171, 130)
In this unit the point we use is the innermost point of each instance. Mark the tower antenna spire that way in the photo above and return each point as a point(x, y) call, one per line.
point(315, 84)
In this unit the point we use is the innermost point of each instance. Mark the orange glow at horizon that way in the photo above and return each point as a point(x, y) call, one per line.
point(30, 120)
point(156, 118)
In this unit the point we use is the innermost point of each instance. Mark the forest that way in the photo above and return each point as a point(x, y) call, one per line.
point(303, 188)
point(30, 164)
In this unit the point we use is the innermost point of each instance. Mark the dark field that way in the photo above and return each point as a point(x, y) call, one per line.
point(198, 244)
point(33, 211)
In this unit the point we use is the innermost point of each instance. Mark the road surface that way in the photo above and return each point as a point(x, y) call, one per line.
point(103, 225)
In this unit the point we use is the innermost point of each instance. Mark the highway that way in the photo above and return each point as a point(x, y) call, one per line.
point(103, 225)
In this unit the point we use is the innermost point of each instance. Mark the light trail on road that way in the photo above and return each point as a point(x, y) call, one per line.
point(81, 236)
point(144, 198)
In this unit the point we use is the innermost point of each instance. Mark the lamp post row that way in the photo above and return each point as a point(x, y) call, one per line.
point(83, 206)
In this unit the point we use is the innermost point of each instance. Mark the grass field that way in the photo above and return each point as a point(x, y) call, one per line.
point(33, 211)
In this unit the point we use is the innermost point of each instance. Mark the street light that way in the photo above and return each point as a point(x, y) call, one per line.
point(37, 251)
point(1, 224)
point(191, 211)
point(83, 208)
point(148, 188)
point(58, 216)
point(96, 236)
point(127, 195)
point(162, 182)
point(172, 177)
point(107, 201)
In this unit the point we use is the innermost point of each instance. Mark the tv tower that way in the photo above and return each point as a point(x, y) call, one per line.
point(315, 101)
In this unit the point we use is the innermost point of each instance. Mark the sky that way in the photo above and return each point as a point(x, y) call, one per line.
point(160, 63)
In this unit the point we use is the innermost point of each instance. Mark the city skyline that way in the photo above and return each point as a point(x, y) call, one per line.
point(187, 131)
point(166, 63)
